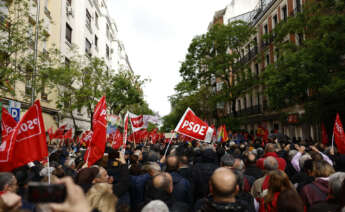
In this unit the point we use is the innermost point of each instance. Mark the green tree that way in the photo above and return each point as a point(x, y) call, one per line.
point(125, 93)
point(213, 57)
point(310, 72)
point(17, 42)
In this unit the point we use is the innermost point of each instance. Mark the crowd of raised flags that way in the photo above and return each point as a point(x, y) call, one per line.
point(25, 141)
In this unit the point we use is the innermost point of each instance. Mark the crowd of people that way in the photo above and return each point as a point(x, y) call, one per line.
point(245, 176)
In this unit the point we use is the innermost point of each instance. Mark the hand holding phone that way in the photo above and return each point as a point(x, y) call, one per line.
point(45, 193)
point(75, 200)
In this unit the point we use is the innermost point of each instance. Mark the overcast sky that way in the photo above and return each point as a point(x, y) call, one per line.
point(156, 35)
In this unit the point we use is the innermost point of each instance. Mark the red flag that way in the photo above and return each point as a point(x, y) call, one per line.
point(30, 139)
point(86, 137)
point(136, 121)
point(50, 133)
point(339, 135)
point(194, 127)
point(7, 146)
point(125, 131)
point(225, 134)
point(68, 134)
point(324, 134)
point(118, 140)
point(96, 148)
point(59, 132)
point(7, 123)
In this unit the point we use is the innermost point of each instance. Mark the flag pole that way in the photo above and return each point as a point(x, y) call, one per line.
point(332, 139)
point(48, 170)
point(166, 150)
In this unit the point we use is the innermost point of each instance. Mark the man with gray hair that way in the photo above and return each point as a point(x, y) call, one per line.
point(155, 206)
point(335, 183)
point(270, 163)
point(8, 182)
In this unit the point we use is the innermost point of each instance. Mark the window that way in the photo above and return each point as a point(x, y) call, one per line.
point(239, 105)
point(108, 32)
point(96, 19)
point(87, 47)
point(251, 100)
point(107, 51)
point(68, 33)
point(67, 62)
point(88, 20)
point(284, 12)
point(258, 98)
point(265, 29)
point(267, 60)
point(275, 20)
point(257, 69)
point(298, 5)
point(28, 81)
point(300, 38)
point(44, 94)
point(245, 102)
point(69, 2)
point(96, 41)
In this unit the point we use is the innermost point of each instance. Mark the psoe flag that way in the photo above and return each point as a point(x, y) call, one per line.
point(190, 125)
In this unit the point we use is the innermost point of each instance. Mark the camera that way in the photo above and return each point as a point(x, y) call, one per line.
point(46, 193)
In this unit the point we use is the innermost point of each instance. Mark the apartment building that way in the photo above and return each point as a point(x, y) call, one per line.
point(23, 89)
point(82, 27)
point(253, 105)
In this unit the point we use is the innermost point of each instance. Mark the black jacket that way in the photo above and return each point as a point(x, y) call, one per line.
point(202, 173)
point(325, 206)
point(209, 205)
point(254, 171)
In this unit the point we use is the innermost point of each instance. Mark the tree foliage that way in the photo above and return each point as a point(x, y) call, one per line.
point(310, 72)
point(17, 43)
point(206, 72)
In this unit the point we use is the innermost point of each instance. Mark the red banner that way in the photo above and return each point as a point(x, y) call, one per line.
point(7, 123)
point(86, 137)
point(30, 139)
point(6, 148)
point(59, 132)
point(50, 133)
point(96, 148)
point(68, 134)
point(125, 131)
point(339, 136)
point(117, 140)
point(136, 121)
point(190, 125)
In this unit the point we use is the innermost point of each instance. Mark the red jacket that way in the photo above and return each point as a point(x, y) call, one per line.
point(281, 161)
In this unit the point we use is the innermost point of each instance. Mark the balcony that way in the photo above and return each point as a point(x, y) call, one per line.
point(250, 55)
point(256, 109)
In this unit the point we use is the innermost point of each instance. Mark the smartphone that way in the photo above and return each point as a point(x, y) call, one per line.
point(46, 193)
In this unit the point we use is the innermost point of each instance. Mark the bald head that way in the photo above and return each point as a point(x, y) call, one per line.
point(163, 182)
point(172, 163)
point(251, 158)
point(223, 183)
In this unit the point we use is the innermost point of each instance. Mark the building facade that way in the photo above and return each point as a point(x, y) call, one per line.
point(82, 27)
point(252, 106)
